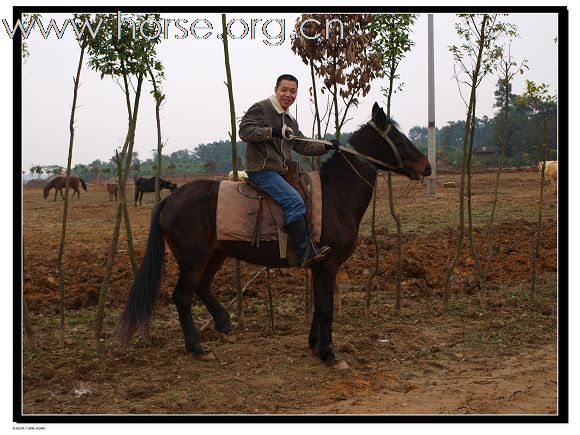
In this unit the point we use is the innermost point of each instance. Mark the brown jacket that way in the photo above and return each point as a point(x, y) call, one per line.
point(263, 152)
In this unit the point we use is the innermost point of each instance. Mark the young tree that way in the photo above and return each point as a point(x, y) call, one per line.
point(507, 69)
point(476, 57)
point(232, 134)
point(59, 266)
point(159, 97)
point(540, 101)
point(123, 55)
point(391, 44)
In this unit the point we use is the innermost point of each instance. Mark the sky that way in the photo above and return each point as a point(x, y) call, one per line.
point(197, 107)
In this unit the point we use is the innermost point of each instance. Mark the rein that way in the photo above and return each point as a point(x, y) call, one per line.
point(383, 133)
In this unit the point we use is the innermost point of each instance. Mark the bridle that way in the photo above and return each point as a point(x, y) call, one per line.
point(373, 163)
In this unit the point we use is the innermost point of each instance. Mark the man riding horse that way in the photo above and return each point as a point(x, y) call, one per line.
point(268, 129)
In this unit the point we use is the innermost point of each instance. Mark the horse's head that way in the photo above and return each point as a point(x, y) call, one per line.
point(168, 185)
point(45, 192)
point(381, 138)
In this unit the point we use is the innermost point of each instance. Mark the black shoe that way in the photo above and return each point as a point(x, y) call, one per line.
point(300, 237)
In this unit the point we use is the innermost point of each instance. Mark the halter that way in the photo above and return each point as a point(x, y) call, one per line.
point(385, 135)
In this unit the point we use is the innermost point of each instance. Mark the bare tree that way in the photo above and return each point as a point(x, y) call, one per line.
point(476, 57)
point(122, 56)
point(230, 86)
point(540, 101)
point(507, 69)
point(391, 44)
point(76, 83)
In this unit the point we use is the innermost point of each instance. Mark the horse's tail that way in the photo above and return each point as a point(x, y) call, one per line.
point(83, 183)
point(143, 293)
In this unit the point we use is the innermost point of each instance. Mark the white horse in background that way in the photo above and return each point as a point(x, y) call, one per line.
point(551, 173)
point(241, 175)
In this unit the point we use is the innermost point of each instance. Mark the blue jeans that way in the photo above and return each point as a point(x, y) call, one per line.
point(284, 194)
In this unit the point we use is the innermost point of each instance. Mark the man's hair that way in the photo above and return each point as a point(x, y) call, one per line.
point(286, 77)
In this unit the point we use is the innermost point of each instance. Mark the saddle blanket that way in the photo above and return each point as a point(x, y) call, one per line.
point(236, 213)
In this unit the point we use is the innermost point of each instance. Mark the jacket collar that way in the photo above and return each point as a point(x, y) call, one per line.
point(277, 106)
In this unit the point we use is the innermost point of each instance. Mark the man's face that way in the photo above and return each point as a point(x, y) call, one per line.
point(286, 93)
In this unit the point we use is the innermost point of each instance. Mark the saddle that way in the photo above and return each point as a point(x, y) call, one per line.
point(246, 213)
point(300, 181)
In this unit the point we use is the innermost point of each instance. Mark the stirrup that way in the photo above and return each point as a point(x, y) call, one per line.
point(319, 255)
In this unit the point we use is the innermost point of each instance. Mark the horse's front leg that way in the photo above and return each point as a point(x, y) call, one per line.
point(55, 193)
point(320, 338)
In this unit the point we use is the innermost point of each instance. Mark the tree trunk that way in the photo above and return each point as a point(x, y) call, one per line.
point(158, 100)
point(474, 253)
point(229, 85)
point(397, 220)
point(540, 209)
point(335, 102)
point(66, 191)
point(120, 207)
point(377, 248)
point(460, 240)
point(27, 326)
point(316, 110)
point(122, 185)
point(500, 161)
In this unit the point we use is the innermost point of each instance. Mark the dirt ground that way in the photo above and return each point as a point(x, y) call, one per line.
point(500, 358)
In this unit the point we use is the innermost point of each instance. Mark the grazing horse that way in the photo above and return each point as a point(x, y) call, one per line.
point(112, 189)
point(187, 221)
point(59, 183)
point(147, 185)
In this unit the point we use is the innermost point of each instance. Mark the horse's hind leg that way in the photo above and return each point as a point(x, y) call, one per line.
point(189, 278)
point(220, 315)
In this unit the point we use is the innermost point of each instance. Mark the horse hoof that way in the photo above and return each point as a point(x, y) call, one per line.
point(229, 338)
point(206, 355)
point(339, 364)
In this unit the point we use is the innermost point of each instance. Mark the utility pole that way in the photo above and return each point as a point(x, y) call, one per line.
point(432, 179)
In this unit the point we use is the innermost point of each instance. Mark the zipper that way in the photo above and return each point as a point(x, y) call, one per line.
point(282, 148)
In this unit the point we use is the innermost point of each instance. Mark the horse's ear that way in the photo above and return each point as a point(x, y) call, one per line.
point(376, 108)
point(379, 117)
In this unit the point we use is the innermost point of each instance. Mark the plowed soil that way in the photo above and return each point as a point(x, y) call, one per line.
point(497, 356)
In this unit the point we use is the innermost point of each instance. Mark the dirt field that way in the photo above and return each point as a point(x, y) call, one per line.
point(468, 359)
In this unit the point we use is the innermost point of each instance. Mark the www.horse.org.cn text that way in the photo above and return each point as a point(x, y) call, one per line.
point(271, 31)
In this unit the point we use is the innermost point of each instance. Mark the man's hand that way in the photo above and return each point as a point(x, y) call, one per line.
point(281, 131)
point(333, 145)
point(277, 132)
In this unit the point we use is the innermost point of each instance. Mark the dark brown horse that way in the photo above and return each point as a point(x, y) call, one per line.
point(59, 183)
point(187, 221)
point(112, 189)
point(147, 185)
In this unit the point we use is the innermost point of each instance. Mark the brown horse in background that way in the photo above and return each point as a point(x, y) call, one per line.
point(59, 183)
point(112, 189)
